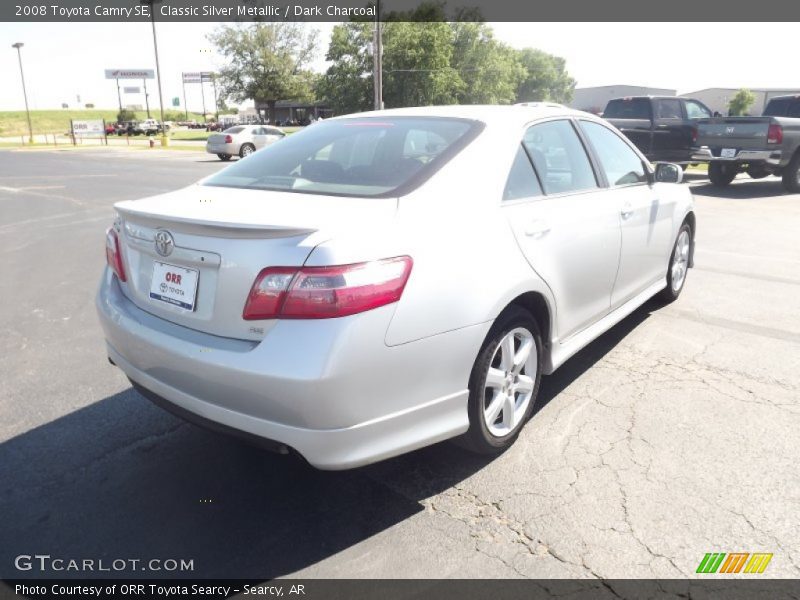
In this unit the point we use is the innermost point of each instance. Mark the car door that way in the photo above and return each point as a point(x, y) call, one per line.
point(566, 225)
point(645, 218)
point(259, 136)
point(273, 135)
point(669, 135)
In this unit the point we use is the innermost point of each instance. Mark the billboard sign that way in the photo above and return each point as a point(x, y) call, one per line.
point(131, 90)
point(198, 77)
point(95, 128)
point(130, 74)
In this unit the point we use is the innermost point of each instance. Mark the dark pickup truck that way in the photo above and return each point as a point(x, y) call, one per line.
point(759, 146)
point(664, 128)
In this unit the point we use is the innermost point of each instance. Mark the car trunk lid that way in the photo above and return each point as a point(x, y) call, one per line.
point(192, 256)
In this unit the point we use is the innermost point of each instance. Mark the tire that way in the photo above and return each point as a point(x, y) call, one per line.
point(678, 267)
point(518, 327)
point(757, 171)
point(791, 175)
point(246, 150)
point(721, 174)
point(224, 157)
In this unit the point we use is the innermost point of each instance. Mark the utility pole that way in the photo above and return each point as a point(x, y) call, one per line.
point(119, 95)
point(146, 97)
point(152, 4)
point(19, 45)
point(377, 58)
point(185, 106)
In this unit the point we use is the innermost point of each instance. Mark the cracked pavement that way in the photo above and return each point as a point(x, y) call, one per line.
point(673, 435)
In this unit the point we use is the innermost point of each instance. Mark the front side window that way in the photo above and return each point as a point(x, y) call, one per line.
point(559, 157)
point(371, 156)
point(695, 110)
point(668, 109)
point(619, 162)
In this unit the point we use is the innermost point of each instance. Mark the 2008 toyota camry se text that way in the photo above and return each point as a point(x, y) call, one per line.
point(379, 282)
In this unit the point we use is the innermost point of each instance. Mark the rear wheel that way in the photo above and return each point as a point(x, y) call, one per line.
point(224, 156)
point(721, 174)
point(504, 383)
point(246, 150)
point(678, 264)
point(791, 175)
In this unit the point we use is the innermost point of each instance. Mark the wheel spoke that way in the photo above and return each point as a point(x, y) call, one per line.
point(509, 412)
point(507, 353)
point(495, 378)
point(494, 408)
point(525, 384)
point(521, 357)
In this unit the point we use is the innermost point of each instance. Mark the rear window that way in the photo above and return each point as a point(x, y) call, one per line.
point(628, 108)
point(234, 130)
point(371, 156)
point(783, 107)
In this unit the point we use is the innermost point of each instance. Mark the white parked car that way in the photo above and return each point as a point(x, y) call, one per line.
point(380, 282)
point(242, 140)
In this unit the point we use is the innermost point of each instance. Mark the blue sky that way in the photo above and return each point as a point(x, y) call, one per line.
point(64, 60)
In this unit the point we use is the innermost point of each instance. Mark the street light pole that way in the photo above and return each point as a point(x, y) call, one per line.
point(152, 4)
point(19, 45)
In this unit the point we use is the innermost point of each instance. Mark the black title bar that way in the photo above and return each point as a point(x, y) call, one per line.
point(715, 12)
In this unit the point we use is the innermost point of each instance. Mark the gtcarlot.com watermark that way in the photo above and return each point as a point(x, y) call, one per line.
point(45, 563)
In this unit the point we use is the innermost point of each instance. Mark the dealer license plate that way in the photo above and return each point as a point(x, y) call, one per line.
point(728, 153)
point(174, 285)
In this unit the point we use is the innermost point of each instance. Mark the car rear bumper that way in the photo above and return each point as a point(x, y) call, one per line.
point(232, 149)
point(770, 157)
point(331, 389)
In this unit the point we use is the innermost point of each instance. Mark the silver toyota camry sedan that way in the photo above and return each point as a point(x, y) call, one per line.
point(384, 281)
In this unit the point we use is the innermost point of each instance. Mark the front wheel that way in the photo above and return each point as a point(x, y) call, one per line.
point(504, 383)
point(678, 264)
point(791, 175)
point(721, 174)
point(246, 150)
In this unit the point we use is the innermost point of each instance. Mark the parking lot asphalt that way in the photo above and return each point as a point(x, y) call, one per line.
point(675, 434)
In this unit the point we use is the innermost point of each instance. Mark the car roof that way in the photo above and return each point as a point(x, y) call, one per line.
point(518, 114)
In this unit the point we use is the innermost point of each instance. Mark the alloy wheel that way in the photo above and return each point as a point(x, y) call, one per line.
point(680, 260)
point(510, 382)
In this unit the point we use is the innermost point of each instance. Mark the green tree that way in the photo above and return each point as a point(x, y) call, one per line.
point(125, 115)
point(266, 62)
point(741, 102)
point(347, 84)
point(545, 78)
point(489, 70)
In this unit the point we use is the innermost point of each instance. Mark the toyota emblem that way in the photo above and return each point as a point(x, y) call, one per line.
point(164, 243)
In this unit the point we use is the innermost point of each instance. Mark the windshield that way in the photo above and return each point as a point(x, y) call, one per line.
point(370, 156)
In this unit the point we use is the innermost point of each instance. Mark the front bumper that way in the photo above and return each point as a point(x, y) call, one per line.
point(770, 157)
point(330, 389)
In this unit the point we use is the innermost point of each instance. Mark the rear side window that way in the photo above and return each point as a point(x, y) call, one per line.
point(668, 109)
point(559, 157)
point(620, 163)
point(695, 110)
point(522, 181)
point(628, 108)
point(234, 130)
point(371, 156)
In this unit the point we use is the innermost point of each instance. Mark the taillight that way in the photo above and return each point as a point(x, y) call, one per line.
point(113, 255)
point(228, 139)
point(326, 292)
point(694, 135)
point(775, 134)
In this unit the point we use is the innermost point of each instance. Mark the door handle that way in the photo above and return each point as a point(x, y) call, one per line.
point(537, 228)
point(626, 211)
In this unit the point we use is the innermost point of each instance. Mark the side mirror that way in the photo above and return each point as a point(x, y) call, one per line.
point(668, 173)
